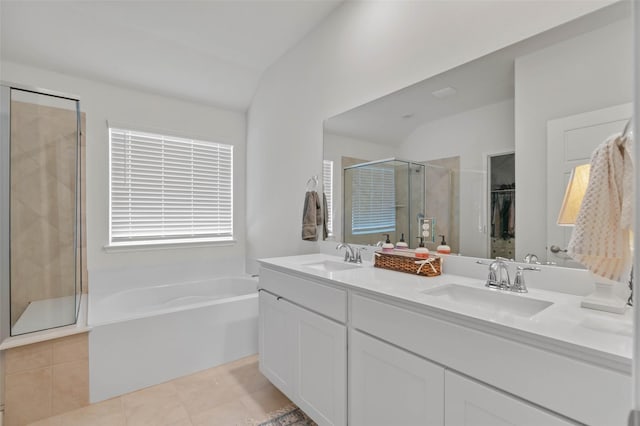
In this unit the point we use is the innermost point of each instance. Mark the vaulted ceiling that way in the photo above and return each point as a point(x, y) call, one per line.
point(212, 52)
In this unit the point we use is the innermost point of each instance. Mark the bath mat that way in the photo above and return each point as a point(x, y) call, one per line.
point(288, 416)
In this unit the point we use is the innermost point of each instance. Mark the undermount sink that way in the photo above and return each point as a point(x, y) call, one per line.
point(332, 266)
point(494, 301)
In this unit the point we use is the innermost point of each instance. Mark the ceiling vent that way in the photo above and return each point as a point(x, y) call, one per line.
point(445, 92)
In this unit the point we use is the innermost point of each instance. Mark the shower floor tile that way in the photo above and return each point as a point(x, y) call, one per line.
point(231, 394)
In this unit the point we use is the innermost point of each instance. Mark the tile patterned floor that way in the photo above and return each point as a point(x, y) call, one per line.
point(231, 394)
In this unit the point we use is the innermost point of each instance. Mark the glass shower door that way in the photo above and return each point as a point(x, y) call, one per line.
point(44, 213)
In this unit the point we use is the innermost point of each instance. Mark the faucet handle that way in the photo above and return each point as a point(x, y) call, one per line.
point(359, 254)
point(528, 268)
point(518, 284)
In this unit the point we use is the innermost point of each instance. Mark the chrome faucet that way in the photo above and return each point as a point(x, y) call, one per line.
point(499, 275)
point(350, 255)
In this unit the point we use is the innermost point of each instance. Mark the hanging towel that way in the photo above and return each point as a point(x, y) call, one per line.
point(504, 216)
point(600, 239)
point(512, 217)
point(325, 217)
point(497, 227)
point(311, 216)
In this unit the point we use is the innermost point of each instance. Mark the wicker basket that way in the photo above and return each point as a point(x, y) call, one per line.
point(405, 261)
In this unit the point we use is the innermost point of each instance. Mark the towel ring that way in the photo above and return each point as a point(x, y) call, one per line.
point(312, 183)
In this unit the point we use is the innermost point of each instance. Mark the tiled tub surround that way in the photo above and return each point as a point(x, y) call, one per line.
point(45, 379)
point(565, 361)
point(148, 335)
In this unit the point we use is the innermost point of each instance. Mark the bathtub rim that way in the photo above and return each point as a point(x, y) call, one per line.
point(136, 316)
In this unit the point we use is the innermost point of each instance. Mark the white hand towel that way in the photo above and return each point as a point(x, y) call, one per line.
point(600, 239)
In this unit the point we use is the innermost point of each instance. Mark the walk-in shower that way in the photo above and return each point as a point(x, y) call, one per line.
point(383, 197)
point(40, 214)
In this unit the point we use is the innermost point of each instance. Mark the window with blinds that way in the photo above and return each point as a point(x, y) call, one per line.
point(165, 188)
point(373, 200)
point(327, 187)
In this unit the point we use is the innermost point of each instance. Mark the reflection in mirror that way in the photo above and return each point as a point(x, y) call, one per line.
point(482, 130)
point(383, 197)
point(502, 233)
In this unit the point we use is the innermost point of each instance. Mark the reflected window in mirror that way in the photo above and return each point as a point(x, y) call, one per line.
point(327, 187)
point(373, 200)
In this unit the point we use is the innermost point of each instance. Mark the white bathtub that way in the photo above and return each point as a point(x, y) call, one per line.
point(145, 336)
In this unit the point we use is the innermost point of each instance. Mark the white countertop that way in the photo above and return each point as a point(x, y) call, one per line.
point(564, 327)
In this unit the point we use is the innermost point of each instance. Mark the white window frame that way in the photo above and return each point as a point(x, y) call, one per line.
point(223, 181)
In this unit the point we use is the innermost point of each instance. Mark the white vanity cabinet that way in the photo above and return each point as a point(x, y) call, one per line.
point(303, 350)
point(410, 363)
point(389, 386)
point(470, 403)
point(577, 390)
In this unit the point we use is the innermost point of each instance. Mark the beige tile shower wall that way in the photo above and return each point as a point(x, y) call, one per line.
point(443, 200)
point(45, 379)
point(43, 180)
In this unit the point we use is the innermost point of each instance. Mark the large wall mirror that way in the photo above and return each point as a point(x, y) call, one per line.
point(487, 148)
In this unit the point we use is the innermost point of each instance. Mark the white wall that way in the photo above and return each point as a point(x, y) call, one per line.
point(362, 51)
point(338, 146)
point(472, 135)
point(586, 73)
point(103, 102)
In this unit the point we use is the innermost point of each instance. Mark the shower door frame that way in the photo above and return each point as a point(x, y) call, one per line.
point(5, 203)
point(5, 191)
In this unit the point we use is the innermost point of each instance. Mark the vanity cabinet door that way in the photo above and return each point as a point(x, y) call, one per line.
point(321, 368)
point(470, 403)
point(389, 386)
point(276, 342)
point(305, 356)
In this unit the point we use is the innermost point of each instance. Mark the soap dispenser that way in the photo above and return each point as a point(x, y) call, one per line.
point(387, 247)
point(422, 252)
point(402, 244)
point(443, 248)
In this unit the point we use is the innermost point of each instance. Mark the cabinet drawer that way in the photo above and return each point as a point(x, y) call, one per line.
point(325, 300)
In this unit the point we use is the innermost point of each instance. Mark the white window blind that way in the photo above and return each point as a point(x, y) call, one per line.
point(169, 188)
point(373, 200)
point(327, 187)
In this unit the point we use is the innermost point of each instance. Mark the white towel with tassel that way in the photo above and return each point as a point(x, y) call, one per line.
point(600, 239)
